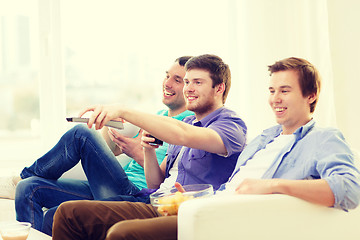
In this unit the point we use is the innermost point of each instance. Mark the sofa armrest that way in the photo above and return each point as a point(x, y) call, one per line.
point(272, 216)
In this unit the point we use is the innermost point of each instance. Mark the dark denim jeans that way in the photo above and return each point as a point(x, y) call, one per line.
point(42, 188)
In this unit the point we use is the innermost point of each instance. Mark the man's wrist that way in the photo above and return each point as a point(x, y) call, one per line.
point(278, 186)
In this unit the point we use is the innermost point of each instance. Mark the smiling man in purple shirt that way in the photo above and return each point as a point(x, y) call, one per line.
point(203, 149)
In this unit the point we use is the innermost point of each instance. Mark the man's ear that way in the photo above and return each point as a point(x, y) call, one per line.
point(220, 88)
point(312, 98)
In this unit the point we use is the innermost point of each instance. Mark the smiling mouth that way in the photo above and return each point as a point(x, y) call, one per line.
point(168, 94)
point(191, 98)
point(280, 109)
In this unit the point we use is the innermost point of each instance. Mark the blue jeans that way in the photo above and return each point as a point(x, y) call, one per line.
point(42, 188)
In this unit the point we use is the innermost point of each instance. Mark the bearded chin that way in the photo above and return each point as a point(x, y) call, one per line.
point(201, 108)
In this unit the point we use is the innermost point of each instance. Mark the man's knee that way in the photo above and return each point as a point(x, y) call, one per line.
point(66, 222)
point(23, 185)
point(72, 209)
point(27, 186)
point(123, 230)
point(157, 228)
point(81, 129)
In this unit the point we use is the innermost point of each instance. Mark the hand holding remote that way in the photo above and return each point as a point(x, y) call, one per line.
point(111, 123)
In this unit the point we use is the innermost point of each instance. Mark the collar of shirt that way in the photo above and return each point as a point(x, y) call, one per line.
point(265, 138)
point(207, 119)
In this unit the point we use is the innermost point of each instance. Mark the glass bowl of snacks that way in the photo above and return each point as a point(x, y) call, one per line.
point(168, 201)
point(14, 230)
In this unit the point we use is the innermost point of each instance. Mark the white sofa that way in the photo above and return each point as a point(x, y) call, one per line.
point(254, 217)
point(251, 217)
point(7, 210)
point(257, 217)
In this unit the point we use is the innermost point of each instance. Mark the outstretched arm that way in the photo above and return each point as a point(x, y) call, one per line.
point(167, 129)
point(316, 191)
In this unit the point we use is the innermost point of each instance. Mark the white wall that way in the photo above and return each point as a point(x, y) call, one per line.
point(344, 19)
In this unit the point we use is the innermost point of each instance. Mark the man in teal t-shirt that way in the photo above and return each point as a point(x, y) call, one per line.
point(41, 187)
point(173, 98)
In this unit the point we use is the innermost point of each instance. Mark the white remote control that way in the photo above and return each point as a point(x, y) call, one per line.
point(111, 123)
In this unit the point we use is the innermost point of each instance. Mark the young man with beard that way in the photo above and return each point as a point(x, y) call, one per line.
point(203, 149)
point(41, 187)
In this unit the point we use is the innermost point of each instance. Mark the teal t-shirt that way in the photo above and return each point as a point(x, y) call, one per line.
point(134, 171)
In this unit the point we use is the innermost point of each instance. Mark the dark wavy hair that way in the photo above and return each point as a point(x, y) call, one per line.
point(182, 60)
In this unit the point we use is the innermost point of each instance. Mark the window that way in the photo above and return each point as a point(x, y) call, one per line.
point(116, 51)
point(60, 56)
point(19, 83)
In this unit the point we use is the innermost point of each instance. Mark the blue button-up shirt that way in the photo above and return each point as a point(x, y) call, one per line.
point(198, 166)
point(315, 153)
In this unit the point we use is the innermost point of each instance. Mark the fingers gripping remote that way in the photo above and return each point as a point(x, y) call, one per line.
point(111, 123)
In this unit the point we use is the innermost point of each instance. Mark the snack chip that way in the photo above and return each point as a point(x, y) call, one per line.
point(169, 205)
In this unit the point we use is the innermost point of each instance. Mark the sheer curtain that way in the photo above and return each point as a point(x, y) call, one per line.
point(52, 83)
point(117, 51)
point(126, 47)
point(248, 34)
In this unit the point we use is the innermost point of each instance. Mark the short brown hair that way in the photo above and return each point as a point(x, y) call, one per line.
point(182, 60)
point(309, 77)
point(219, 71)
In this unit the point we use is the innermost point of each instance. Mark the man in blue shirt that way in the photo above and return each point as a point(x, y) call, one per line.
point(106, 179)
point(203, 148)
point(296, 158)
point(308, 162)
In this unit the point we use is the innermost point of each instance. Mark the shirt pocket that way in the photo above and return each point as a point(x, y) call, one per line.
point(198, 163)
point(195, 154)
